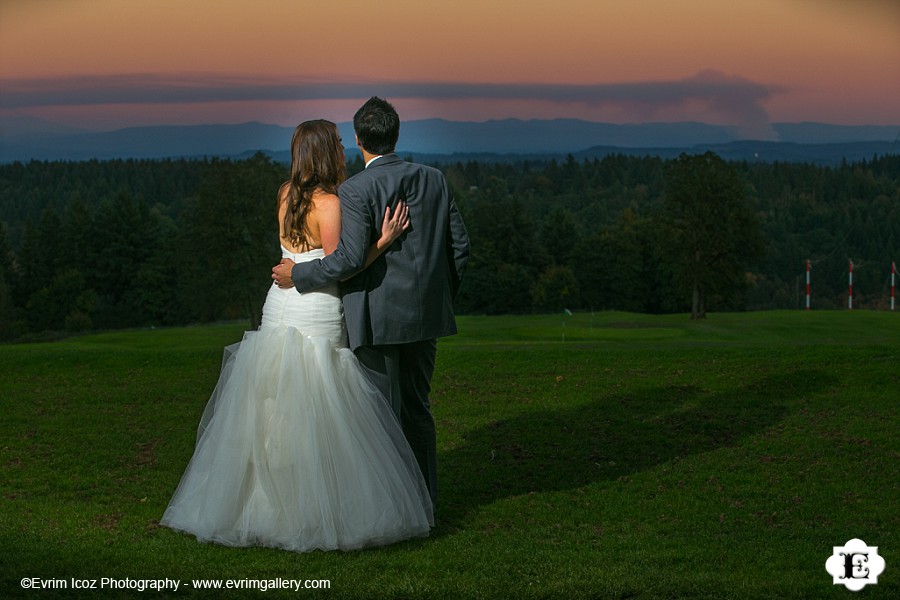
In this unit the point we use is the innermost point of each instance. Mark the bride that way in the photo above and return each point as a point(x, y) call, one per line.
point(296, 449)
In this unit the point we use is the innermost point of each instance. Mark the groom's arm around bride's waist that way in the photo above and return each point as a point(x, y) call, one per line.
point(350, 255)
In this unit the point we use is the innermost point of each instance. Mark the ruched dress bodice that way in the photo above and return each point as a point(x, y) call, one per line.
point(316, 314)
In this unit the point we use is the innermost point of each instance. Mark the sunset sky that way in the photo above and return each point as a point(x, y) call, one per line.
point(106, 64)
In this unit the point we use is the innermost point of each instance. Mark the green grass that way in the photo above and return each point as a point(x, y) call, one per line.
point(606, 456)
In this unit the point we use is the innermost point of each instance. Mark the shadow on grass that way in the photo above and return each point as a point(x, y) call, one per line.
point(569, 448)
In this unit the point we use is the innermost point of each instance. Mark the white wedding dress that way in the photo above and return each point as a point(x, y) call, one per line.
point(296, 449)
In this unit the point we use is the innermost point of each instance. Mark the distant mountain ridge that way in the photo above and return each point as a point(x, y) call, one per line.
point(25, 138)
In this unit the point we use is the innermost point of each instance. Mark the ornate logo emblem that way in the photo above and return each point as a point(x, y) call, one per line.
point(855, 565)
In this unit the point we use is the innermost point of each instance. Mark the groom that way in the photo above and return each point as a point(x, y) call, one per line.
point(397, 307)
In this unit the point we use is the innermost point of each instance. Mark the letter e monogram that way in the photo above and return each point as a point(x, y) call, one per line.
point(855, 565)
point(858, 567)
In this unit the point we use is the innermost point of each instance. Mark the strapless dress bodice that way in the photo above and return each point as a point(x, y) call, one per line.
point(316, 313)
point(299, 257)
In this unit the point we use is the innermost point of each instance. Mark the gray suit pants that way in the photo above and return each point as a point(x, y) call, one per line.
point(403, 374)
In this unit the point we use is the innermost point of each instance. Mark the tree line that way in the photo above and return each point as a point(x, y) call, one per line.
point(610, 233)
point(132, 243)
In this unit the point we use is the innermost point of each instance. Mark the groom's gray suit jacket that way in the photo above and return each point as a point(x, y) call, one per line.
point(406, 295)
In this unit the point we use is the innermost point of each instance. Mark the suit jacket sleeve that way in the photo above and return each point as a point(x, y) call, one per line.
point(353, 246)
point(459, 247)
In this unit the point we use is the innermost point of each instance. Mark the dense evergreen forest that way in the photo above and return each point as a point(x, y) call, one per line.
point(110, 244)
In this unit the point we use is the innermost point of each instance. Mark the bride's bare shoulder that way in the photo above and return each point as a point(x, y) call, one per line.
point(320, 198)
point(283, 193)
point(325, 204)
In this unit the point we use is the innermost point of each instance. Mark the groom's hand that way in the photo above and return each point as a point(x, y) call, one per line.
point(281, 273)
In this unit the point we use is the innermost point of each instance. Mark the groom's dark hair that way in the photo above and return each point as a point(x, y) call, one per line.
point(377, 126)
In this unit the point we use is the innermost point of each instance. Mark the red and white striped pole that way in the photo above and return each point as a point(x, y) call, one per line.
point(850, 292)
point(893, 276)
point(807, 284)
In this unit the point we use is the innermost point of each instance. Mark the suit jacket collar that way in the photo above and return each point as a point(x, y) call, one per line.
point(384, 159)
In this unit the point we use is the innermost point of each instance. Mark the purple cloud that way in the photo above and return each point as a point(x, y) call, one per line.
point(730, 98)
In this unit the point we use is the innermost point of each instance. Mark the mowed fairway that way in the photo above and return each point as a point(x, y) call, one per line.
point(590, 456)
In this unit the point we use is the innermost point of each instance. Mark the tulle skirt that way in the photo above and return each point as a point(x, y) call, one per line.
point(297, 450)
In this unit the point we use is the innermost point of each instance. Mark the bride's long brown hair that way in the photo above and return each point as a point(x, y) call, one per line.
point(317, 163)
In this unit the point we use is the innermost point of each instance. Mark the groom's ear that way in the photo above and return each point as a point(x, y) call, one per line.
point(356, 137)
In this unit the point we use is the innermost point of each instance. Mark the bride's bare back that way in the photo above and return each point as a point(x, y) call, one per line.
point(323, 222)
